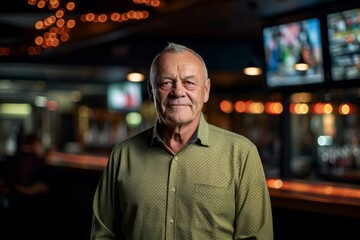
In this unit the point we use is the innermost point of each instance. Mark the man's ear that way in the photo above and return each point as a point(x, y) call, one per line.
point(207, 90)
point(150, 91)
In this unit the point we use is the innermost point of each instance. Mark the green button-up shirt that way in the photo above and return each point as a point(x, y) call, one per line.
point(214, 188)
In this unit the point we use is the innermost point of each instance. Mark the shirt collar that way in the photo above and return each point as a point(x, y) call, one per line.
point(200, 136)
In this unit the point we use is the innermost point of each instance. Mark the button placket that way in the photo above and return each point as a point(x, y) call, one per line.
point(171, 200)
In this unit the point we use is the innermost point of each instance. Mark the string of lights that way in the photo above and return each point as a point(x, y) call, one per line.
point(56, 28)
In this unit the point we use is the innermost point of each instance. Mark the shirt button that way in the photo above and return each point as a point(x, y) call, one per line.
point(171, 221)
point(173, 189)
point(175, 158)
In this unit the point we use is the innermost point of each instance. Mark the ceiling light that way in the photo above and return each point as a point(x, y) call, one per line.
point(301, 65)
point(135, 77)
point(252, 69)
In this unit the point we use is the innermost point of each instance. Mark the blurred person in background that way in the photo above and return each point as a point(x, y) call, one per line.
point(30, 189)
point(183, 178)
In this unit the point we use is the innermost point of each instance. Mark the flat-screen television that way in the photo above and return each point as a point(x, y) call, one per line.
point(124, 96)
point(288, 43)
point(344, 44)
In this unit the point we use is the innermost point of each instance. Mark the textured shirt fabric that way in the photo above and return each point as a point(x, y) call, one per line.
point(214, 188)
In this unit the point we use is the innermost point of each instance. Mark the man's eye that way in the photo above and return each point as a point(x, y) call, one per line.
point(189, 84)
point(166, 85)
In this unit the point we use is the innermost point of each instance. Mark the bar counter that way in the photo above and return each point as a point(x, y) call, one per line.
point(301, 209)
point(80, 161)
point(320, 197)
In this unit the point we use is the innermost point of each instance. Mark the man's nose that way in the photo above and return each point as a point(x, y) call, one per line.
point(178, 89)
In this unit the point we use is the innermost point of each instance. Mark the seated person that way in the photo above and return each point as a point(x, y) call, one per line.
point(30, 189)
point(28, 168)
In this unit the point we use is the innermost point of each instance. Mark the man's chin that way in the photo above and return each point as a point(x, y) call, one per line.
point(178, 119)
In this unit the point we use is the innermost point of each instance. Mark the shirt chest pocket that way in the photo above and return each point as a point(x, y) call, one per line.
point(214, 208)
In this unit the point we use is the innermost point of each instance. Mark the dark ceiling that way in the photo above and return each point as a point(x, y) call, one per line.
point(225, 32)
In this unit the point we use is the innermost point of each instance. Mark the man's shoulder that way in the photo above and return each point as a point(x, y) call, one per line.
point(138, 138)
point(224, 134)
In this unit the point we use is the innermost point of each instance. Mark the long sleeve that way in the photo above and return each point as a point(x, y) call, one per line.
point(253, 215)
point(106, 215)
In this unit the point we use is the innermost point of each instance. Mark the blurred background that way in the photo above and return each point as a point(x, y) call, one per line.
point(75, 72)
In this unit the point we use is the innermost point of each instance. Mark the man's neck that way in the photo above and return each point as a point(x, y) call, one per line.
point(175, 138)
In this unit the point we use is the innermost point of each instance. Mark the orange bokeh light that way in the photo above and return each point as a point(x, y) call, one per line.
point(226, 106)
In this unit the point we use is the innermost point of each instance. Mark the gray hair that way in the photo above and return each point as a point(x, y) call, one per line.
point(174, 48)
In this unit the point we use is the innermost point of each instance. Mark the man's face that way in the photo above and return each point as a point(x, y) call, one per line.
point(180, 89)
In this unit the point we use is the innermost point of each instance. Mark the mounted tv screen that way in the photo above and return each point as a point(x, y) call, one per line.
point(344, 44)
point(124, 96)
point(289, 43)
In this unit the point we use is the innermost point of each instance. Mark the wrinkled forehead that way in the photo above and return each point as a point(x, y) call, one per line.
point(169, 56)
point(179, 60)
